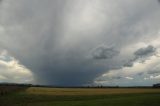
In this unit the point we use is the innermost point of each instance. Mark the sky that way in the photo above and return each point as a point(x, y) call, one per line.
point(80, 42)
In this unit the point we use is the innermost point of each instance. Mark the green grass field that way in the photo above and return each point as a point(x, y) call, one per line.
point(82, 97)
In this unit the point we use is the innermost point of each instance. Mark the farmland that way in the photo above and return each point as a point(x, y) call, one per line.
point(42, 96)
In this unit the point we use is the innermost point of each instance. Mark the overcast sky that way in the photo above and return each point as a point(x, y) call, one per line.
point(80, 42)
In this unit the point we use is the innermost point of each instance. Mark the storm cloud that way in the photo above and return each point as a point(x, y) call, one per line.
point(104, 53)
point(59, 40)
point(143, 52)
point(141, 55)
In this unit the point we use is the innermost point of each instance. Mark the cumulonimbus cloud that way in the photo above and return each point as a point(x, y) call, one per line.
point(53, 38)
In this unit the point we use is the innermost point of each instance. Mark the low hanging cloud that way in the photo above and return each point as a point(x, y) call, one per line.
point(145, 52)
point(103, 52)
point(141, 55)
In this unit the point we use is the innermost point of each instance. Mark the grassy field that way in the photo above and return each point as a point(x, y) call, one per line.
point(37, 96)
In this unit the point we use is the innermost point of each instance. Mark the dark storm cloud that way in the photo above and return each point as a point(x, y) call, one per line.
point(104, 53)
point(141, 54)
point(129, 63)
point(53, 38)
point(147, 51)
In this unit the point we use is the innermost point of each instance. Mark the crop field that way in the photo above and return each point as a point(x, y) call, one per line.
point(42, 96)
point(88, 91)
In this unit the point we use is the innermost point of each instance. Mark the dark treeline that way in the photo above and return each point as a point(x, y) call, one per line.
point(156, 85)
point(54, 86)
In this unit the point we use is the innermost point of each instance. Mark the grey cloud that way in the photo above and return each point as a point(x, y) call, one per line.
point(154, 70)
point(110, 78)
point(141, 55)
point(141, 73)
point(117, 77)
point(53, 38)
point(129, 63)
point(104, 53)
point(143, 52)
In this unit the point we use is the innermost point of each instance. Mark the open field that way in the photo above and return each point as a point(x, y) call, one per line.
point(88, 91)
point(38, 96)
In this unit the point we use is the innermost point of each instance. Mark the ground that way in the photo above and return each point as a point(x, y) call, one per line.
point(37, 96)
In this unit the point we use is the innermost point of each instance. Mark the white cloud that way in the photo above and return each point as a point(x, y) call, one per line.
point(130, 78)
point(153, 78)
point(12, 71)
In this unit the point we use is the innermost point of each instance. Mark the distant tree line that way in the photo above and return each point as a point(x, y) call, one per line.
point(156, 85)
